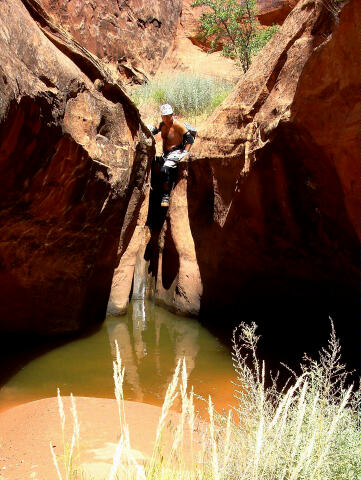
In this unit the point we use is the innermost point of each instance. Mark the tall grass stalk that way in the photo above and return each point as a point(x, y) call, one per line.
point(308, 430)
point(118, 377)
point(213, 440)
point(55, 461)
point(191, 423)
point(154, 468)
point(124, 461)
point(68, 448)
point(179, 433)
point(76, 424)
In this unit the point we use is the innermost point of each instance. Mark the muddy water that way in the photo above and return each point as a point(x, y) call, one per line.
point(150, 339)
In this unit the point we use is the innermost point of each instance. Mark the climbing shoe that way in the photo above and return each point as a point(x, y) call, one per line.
point(165, 201)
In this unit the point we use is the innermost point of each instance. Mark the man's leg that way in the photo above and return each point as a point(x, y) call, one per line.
point(168, 179)
point(167, 185)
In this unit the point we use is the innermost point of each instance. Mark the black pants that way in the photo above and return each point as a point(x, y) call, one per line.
point(163, 177)
point(168, 176)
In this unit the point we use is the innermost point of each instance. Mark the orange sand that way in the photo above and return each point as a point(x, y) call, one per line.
point(26, 430)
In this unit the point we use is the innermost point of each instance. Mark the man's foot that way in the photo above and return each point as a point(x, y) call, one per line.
point(165, 200)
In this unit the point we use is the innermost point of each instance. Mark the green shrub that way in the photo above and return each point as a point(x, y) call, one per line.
point(159, 96)
point(189, 94)
point(234, 26)
point(218, 99)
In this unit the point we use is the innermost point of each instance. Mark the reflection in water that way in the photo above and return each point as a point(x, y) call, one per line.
point(151, 341)
point(139, 324)
point(157, 339)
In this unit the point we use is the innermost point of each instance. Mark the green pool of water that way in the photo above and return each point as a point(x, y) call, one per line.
point(150, 339)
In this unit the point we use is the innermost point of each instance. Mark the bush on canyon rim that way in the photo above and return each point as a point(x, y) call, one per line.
point(309, 430)
point(233, 26)
point(190, 95)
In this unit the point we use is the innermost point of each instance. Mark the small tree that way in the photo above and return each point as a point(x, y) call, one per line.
point(235, 26)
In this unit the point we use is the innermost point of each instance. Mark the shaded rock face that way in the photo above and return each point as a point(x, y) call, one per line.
point(268, 205)
point(133, 36)
point(272, 12)
point(73, 166)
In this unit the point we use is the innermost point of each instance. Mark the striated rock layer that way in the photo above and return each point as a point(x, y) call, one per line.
point(268, 205)
point(132, 36)
point(73, 166)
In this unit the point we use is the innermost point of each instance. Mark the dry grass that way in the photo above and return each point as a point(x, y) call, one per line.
point(193, 97)
point(310, 430)
point(70, 450)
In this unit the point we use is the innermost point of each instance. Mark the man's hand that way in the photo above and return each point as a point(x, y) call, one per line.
point(153, 130)
point(184, 154)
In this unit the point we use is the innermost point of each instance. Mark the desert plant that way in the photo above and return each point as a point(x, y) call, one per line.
point(70, 449)
point(234, 26)
point(190, 95)
point(309, 429)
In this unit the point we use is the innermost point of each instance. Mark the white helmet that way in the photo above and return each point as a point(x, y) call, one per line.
point(166, 109)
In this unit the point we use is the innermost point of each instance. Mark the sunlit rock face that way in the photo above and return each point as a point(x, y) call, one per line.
point(189, 52)
point(132, 36)
point(73, 166)
point(135, 36)
point(268, 205)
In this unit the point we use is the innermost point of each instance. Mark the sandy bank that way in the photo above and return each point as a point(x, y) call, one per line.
point(26, 430)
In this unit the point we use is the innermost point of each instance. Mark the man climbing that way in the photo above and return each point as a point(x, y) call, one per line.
point(177, 141)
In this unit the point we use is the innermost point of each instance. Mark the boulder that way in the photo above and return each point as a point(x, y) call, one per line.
point(74, 166)
point(268, 205)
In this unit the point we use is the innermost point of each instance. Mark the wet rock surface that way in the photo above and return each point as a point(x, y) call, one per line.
point(265, 214)
point(74, 166)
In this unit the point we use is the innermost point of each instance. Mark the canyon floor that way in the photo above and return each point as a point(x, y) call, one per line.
point(30, 427)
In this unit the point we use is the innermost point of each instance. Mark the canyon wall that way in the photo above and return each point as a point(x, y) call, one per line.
point(136, 38)
point(132, 36)
point(188, 52)
point(274, 11)
point(74, 165)
point(268, 204)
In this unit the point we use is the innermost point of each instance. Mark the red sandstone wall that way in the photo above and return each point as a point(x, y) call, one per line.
point(268, 205)
point(74, 163)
